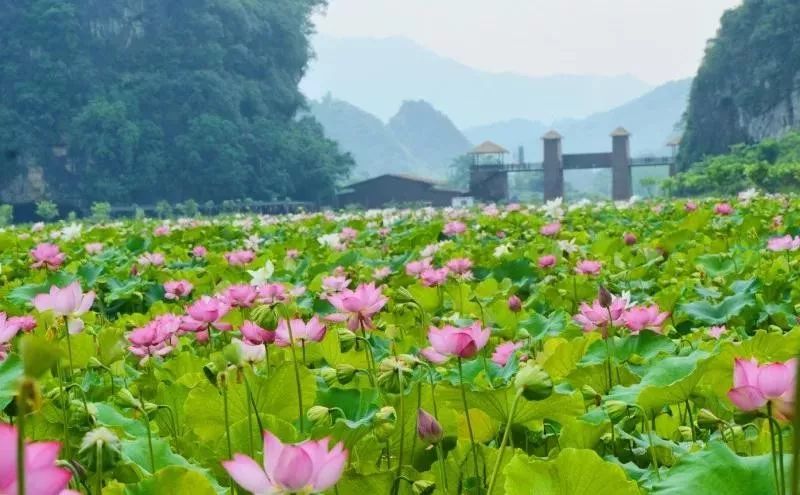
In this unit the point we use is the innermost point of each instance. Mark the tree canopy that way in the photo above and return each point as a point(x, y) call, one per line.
point(141, 100)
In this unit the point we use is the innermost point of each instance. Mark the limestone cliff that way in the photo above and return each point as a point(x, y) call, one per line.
point(748, 87)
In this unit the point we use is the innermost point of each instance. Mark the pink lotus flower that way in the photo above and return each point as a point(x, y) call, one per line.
point(629, 239)
point(348, 234)
point(755, 385)
point(434, 277)
point(250, 353)
point(785, 243)
point(644, 317)
point(434, 357)
point(151, 259)
point(8, 330)
point(459, 342)
point(723, 209)
point(271, 294)
point(690, 206)
point(208, 309)
point(515, 304)
point(588, 267)
point(177, 289)
point(46, 255)
point(381, 273)
point(308, 467)
point(69, 302)
point(311, 331)
point(550, 229)
point(93, 248)
point(255, 335)
point(240, 258)
point(42, 476)
point(199, 252)
point(454, 228)
point(157, 338)
point(240, 296)
point(716, 332)
point(292, 254)
point(460, 266)
point(428, 429)
point(547, 261)
point(161, 231)
point(415, 268)
point(334, 284)
point(357, 307)
point(25, 323)
point(504, 351)
point(596, 317)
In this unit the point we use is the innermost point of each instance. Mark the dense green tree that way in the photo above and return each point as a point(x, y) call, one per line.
point(771, 165)
point(142, 100)
point(746, 89)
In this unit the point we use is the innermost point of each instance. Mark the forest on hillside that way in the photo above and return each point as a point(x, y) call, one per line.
point(144, 100)
point(748, 87)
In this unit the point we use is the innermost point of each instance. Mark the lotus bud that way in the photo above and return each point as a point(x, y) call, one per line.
point(328, 375)
point(347, 339)
point(385, 420)
point(616, 410)
point(319, 416)
point(423, 487)
point(515, 304)
point(707, 419)
point(589, 393)
point(533, 382)
point(428, 429)
point(629, 238)
point(403, 296)
point(395, 373)
point(604, 297)
point(126, 398)
point(345, 373)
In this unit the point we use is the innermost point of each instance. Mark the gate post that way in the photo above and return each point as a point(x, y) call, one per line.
point(621, 182)
point(553, 166)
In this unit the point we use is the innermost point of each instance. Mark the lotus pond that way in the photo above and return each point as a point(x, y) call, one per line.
point(561, 349)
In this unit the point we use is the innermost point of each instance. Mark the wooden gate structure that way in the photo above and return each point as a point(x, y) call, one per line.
point(489, 170)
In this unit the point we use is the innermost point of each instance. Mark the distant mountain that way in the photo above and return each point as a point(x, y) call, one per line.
point(375, 148)
point(429, 134)
point(418, 139)
point(650, 118)
point(377, 74)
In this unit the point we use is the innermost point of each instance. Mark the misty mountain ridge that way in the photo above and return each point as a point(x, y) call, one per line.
point(651, 119)
point(377, 74)
point(421, 140)
point(418, 139)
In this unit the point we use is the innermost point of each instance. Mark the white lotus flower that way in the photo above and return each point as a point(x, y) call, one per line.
point(262, 275)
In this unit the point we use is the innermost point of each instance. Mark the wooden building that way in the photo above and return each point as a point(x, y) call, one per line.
point(397, 190)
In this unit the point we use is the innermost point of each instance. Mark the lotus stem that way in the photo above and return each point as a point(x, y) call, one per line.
point(503, 442)
point(21, 443)
point(296, 375)
point(469, 421)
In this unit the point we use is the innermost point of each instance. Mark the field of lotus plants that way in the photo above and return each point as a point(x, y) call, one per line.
point(593, 349)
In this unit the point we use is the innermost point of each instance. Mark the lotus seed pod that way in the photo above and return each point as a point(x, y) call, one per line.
point(345, 373)
point(423, 487)
point(319, 416)
point(616, 410)
point(347, 339)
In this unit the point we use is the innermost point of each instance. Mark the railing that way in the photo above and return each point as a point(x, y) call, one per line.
point(652, 161)
point(644, 161)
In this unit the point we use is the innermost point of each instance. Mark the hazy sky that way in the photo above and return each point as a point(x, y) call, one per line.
point(655, 40)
